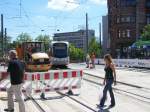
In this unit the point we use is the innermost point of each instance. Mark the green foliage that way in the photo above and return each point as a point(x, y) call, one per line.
point(6, 43)
point(94, 47)
point(146, 33)
point(23, 37)
point(141, 43)
point(45, 39)
point(76, 54)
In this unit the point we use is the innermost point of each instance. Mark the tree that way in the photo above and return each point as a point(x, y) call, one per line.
point(94, 47)
point(23, 37)
point(76, 54)
point(146, 33)
point(45, 39)
point(7, 43)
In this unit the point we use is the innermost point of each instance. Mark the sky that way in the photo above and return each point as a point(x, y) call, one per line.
point(37, 17)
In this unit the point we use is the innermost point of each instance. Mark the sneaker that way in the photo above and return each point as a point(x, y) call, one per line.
point(100, 106)
point(111, 106)
point(9, 110)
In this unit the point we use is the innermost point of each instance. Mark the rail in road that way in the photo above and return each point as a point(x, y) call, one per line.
point(72, 98)
point(42, 109)
point(40, 106)
point(127, 84)
point(95, 79)
point(143, 70)
point(64, 103)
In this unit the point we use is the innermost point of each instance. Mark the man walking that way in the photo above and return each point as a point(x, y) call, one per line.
point(87, 61)
point(16, 71)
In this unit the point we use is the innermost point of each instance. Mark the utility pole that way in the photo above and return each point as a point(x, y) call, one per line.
point(87, 34)
point(2, 38)
point(5, 40)
point(100, 37)
point(20, 4)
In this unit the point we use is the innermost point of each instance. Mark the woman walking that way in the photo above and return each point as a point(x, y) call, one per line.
point(110, 78)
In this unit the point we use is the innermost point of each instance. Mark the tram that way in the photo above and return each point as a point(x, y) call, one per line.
point(59, 53)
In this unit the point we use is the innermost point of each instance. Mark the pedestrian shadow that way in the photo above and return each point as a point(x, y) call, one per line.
point(47, 98)
point(103, 110)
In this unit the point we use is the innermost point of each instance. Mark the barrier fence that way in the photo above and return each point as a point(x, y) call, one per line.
point(41, 82)
point(128, 62)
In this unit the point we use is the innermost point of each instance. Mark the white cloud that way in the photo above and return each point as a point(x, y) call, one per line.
point(99, 2)
point(64, 5)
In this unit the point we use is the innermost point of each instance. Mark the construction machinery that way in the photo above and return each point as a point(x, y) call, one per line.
point(32, 53)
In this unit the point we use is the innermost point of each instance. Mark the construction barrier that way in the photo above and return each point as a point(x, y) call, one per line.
point(41, 82)
point(128, 62)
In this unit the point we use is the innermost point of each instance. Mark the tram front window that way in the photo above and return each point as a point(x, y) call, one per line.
point(60, 51)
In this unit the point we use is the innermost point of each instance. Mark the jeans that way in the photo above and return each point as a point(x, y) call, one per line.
point(93, 63)
point(16, 90)
point(108, 87)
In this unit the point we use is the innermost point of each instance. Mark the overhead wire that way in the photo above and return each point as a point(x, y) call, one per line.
point(57, 22)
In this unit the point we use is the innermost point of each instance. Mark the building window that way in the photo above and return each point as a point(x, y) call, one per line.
point(118, 19)
point(122, 19)
point(117, 3)
point(133, 19)
point(148, 18)
point(130, 2)
point(147, 3)
point(119, 33)
point(92, 34)
point(128, 19)
point(127, 3)
point(123, 33)
point(123, 3)
point(128, 33)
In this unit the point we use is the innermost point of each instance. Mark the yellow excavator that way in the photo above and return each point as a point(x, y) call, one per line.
point(32, 54)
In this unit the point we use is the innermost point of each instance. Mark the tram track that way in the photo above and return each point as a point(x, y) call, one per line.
point(40, 108)
point(121, 91)
point(64, 95)
point(119, 82)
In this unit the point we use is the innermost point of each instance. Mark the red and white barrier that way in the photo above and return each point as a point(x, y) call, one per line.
point(41, 82)
point(128, 62)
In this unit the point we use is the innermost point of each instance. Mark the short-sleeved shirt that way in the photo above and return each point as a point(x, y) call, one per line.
point(16, 70)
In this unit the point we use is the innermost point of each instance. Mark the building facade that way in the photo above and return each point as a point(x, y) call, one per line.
point(106, 40)
point(77, 38)
point(126, 20)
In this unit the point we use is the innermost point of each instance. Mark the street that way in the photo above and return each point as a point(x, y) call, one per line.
point(65, 55)
point(128, 97)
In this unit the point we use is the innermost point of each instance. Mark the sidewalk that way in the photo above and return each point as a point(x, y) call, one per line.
point(130, 77)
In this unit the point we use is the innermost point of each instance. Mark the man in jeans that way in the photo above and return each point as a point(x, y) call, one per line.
point(16, 71)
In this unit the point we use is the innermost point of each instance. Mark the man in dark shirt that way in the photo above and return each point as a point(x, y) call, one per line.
point(16, 71)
